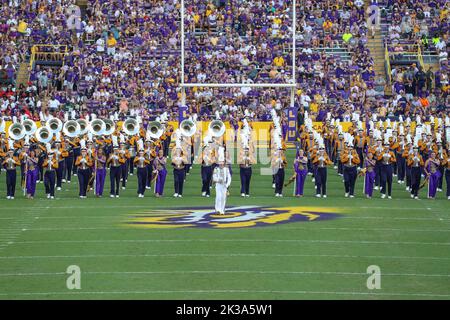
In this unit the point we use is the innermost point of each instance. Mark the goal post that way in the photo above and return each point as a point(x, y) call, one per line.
point(291, 85)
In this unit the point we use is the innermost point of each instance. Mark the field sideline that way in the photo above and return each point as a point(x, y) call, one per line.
point(312, 258)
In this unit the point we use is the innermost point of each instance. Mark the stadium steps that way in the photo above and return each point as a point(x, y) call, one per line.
point(23, 75)
point(376, 48)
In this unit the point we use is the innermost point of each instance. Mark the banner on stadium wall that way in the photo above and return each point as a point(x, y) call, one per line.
point(292, 125)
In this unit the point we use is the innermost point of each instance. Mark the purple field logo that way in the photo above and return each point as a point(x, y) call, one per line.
point(235, 217)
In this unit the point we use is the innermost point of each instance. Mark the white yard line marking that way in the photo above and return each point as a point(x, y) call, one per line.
point(226, 271)
point(237, 240)
point(21, 224)
point(150, 207)
point(5, 231)
point(226, 291)
point(224, 255)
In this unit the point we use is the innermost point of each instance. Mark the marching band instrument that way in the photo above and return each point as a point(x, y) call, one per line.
point(188, 128)
point(155, 129)
point(30, 127)
point(84, 126)
point(16, 131)
point(97, 127)
point(43, 135)
point(110, 127)
point(130, 127)
point(71, 129)
point(216, 128)
point(54, 125)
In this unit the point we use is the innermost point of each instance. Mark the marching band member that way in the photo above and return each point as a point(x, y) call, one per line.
point(159, 165)
point(440, 155)
point(115, 162)
point(76, 151)
point(100, 171)
point(125, 154)
point(208, 159)
point(132, 152)
point(415, 162)
point(246, 160)
point(70, 159)
point(361, 142)
point(10, 163)
point(179, 162)
point(339, 146)
point(150, 153)
point(50, 166)
point(23, 154)
point(301, 171)
point(446, 164)
point(401, 161)
point(32, 173)
point(83, 163)
point(386, 159)
point(60, 154)
point(278, 165)
point(350, 159)
point(369, 181)
point(431, 169)
point(141, 162)
point(322, 160)
point(222, 180)
point(376, 150)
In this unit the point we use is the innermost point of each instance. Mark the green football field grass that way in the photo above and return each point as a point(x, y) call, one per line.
point(314, 258)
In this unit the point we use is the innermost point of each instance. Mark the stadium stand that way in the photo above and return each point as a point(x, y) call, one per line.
point(124, 56)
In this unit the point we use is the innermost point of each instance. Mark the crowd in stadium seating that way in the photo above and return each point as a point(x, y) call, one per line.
point(125, 56)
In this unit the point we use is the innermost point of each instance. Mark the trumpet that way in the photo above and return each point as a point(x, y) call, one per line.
point(155, 129)
point(16, 131)
point(84, 126)
point(54, 125)
point(97, 127)
point(110, 127)
point(188, 128)
point(30, 127)
point(44, 135)
point(71, 129)
point(130, 127)
point(216, 128)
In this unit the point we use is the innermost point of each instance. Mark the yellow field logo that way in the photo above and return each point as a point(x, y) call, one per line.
point(234, 217)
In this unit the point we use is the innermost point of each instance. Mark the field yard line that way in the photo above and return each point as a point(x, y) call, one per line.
point(5, 231)
point(435, 295)
point(149, 206)
point(226, 255)
point(227, 271)
point(350, 217)
point(236, 240)
point(22, 222)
